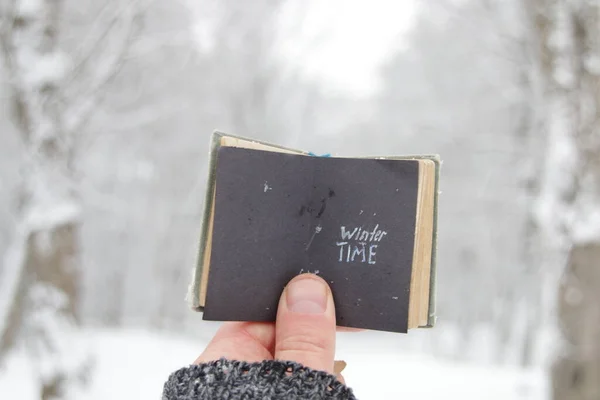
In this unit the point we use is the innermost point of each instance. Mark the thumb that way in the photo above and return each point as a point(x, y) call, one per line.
point(305, 328)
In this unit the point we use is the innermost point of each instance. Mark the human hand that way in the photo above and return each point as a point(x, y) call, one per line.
point(304, 332)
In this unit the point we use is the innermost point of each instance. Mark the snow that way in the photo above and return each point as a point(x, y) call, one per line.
point(587, 228)
point(562, 160)
point(585, 221)
point(128, 364)
point(16, 379)
point(426, 378)
point(44, 217)
point(592, 63)
point(54, 344)
point(29, 8)
point(46, 69)
point(133, 364)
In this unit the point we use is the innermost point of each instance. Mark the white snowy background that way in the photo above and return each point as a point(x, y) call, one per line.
point(105, 117)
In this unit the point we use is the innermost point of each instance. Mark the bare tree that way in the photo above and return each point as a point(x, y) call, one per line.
point(53, 94)
point(457, 90)
point(247, 75)
point(567, 37)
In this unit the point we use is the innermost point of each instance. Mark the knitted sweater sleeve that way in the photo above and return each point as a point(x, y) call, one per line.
point(233, 380)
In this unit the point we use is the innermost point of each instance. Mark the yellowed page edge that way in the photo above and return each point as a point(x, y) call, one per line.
point(426, 238)
point(414, 305)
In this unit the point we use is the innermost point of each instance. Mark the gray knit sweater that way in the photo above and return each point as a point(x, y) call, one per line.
point(267, 380)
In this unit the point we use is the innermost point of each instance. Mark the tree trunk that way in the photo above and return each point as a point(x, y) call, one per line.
point(44, 313)
point(568, 58)
point(43, 262)
point(576, 373)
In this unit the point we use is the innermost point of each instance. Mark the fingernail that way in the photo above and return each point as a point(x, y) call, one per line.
point(308, 296)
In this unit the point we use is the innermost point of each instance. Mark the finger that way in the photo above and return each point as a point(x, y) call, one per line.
point(346, 329)
point(305, 328)
point(338, 366)
point(243, 341)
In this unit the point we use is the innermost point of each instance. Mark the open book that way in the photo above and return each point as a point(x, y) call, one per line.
point(365, 225)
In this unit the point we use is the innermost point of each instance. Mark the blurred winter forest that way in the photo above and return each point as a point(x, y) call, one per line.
point(106, 112)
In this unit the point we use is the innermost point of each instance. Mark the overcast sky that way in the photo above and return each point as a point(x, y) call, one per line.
point(343, 42)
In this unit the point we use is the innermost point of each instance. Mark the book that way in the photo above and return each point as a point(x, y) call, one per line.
point(367, 225)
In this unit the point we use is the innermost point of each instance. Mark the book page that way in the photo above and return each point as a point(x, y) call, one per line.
point(351, 221)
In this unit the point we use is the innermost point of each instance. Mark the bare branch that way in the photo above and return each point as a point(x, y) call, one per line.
point(84, 106)
point(99, 39)
point(8, 54)
point(6, 35)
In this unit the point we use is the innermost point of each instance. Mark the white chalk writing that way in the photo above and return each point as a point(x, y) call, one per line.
point(359, 244)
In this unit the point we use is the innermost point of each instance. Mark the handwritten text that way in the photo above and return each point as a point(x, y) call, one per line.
point(359, 244)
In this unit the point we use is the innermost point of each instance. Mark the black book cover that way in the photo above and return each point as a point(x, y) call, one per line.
point(351, 221)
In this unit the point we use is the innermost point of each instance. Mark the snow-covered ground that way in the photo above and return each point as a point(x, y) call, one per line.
point(134, 364)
